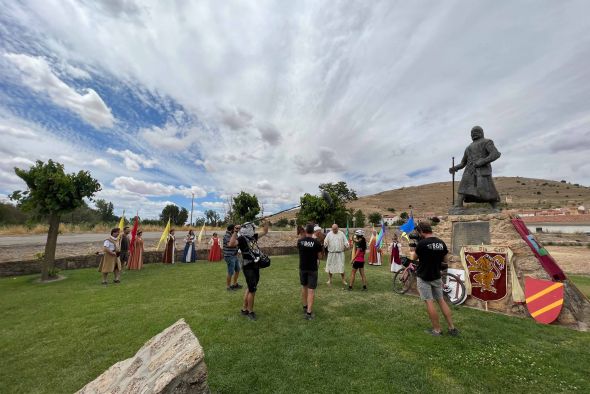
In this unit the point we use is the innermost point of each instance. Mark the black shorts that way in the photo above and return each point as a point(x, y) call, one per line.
point(358, 265)
point(252, 274)
point(308, 279)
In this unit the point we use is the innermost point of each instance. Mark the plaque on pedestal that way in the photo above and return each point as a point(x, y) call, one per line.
point(470, 233)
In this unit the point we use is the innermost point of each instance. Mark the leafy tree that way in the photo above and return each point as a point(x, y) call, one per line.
point(178, 216)
point(313, 209)
point(404, 215)
point(199, 222)
point(282, 222)
point(375, 218)
point(245, 207)
point(212, 217)
point(339, 190)
point(52, 192)
point(106, 210)
point(359, 218)
point(292, 222)
point(11, 214)
point(318, 210)
point(82, 214)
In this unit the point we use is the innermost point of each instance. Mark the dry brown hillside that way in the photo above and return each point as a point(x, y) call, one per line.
point(435, 198)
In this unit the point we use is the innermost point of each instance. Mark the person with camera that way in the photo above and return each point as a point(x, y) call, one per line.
point(310, 249)
point(432, 253)
point(247, 242)
point(110, 260)
point(230, 255)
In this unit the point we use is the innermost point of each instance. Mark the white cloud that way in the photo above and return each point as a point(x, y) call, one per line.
point(145, 188)
point(324, 161)
point(169, 137)
point(100, 163)
point(215, 205)
point(16, 132)
point(37, 75)
point(133, 161)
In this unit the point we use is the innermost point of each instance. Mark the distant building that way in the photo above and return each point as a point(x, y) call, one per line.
point(390, 220)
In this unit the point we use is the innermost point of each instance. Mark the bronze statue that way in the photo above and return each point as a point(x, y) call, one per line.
point(477, 184)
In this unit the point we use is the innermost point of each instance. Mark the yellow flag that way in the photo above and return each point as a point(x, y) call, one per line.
point(201, 234)
point(122, 223)
point(164, 234)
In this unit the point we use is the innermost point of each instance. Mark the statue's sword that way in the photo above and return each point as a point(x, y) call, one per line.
point(453, 181)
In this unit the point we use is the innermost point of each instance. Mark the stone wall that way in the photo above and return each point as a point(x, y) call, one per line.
point(17, 268)
point(576, 308)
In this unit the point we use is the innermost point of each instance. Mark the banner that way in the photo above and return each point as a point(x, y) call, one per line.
point(487, 268)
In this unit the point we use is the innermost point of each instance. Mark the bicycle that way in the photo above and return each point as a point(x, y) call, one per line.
point(454, 290)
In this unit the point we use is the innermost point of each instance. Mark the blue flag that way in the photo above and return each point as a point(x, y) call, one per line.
point(380, 236)
point(407, 227)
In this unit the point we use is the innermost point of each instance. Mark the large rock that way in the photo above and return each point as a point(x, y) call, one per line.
point(170, 362)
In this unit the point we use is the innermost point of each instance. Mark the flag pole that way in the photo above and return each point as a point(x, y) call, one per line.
point(453, 173)
point(192, 206)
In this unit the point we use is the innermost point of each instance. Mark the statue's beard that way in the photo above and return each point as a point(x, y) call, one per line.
point(476, 136)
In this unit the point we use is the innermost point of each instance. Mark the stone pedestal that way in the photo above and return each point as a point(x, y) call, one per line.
point(576, 308)
point(170, 362)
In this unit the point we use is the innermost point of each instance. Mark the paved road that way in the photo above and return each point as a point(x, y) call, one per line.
point(36, 240)
point(39, 240)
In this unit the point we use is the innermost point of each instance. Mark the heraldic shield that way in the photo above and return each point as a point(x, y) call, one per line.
point(487, 270)
point(544, 299)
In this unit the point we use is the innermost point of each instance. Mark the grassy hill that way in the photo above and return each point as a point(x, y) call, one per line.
point(436, 198)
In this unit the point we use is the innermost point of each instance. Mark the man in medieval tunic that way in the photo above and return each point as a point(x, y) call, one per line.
point(170, 250)
point(110, 260)
point(336, 243)
point(477, 184)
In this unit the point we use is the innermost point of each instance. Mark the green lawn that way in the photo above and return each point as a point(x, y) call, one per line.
point(56, 337)
point(582, 282)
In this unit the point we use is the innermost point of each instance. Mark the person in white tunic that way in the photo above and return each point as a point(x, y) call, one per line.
point(336, 243)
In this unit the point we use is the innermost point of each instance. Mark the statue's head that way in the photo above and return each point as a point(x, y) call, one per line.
point(476, 133)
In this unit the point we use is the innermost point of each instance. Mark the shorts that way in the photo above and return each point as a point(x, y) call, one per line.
point(233, 264)
point(358, 265)
point(252, 275)
point(430, 290)
point(308, 279)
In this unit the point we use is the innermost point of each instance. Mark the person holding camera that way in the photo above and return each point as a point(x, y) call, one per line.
point(248, 237)
point(432, 253)
point(230, 255)
point(110, 260)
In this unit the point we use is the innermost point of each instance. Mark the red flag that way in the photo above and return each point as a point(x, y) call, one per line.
point(133, 234)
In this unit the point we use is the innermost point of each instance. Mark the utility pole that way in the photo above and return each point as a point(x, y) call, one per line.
point(192, 207)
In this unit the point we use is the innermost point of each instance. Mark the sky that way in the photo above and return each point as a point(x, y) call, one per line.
point(163, 99)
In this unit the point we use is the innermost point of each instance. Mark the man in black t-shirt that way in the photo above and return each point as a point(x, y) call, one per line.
point(309, 253)
point(432, 252)
point(250, 268)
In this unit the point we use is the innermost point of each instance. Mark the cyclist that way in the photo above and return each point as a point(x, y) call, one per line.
point(432, 253)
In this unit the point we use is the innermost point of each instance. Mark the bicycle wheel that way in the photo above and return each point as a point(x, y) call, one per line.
point(454, 289)
point(401, 285)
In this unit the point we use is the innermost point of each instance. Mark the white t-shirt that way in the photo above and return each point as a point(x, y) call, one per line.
point(110, 244)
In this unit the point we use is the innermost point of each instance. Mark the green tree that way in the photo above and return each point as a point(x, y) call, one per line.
point(359, 218)
point(404, 215)
point(339, 190)
point(245, 207)
point(318, 210)
point(212, 217)
point(52, 193)
point(11, 214)
point(375, 218)
point(178, 216)
point(313, 209)
point(282, 222)
point(106, 210)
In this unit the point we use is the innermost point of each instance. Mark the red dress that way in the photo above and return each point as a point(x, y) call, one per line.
point(215, 251)
point(372, 252)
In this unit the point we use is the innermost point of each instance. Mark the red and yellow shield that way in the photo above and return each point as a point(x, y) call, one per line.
point(544, 299)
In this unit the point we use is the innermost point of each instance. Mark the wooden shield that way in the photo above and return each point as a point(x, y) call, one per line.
point(544, 299)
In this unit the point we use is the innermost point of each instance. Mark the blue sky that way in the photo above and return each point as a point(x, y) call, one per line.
point(160, 100)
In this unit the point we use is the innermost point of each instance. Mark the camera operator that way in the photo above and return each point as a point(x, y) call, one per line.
point(431, 252)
